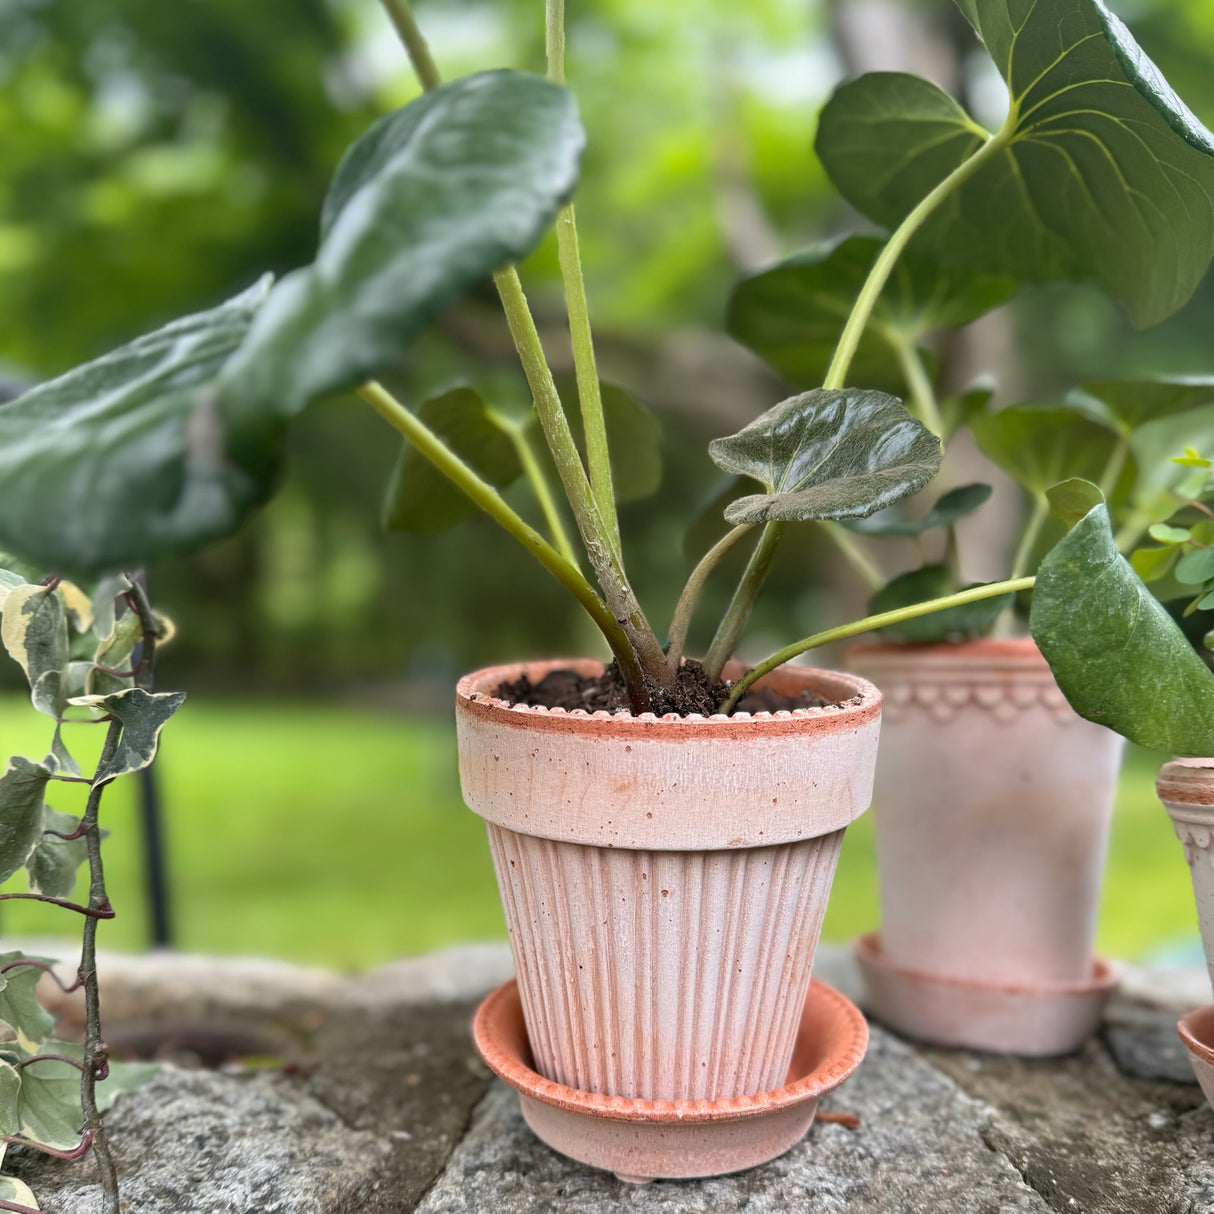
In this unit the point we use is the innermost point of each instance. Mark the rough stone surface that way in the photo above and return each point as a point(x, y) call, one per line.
point(383, 1108)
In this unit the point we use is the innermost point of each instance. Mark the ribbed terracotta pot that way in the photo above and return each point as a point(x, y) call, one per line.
point(992, 806)
point(664, 879)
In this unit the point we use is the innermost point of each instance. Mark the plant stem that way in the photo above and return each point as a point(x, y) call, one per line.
point(680, 622)
point(836, 374)
point(491, 502)
point(922, 394)
point(517, 434)
point(415, 44)
point(739, 689)
point(96, 1063)
point(1113, 469)
point(856, 557)
point(738, 612)
point(1032, 529)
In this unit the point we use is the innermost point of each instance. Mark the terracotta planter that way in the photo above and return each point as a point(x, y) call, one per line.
point(664, 880)
point(992, 809)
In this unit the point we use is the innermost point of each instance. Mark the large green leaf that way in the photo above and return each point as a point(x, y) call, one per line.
point(419, 497)
point(22, 793)
point(19, 1006)
point(1117, 655)
point(953, 623)
point(949, 508)
point(1105, 176)
point(1155, 445)
point(793, 314)
point(1134, 402)
point(130, 457)
point(828, 454)
point(1040, 445)
point(430, 200)
point(634, 435)
point(143, 716)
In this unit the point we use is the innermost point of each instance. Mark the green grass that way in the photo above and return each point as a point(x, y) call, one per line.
point(335, 835)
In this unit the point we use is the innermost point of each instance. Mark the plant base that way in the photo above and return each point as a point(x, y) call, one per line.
point(1035, 1022)
point(1196, 1031)
point(641, 1140)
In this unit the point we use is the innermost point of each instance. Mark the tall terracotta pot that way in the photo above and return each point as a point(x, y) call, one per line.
point(664, 879)
point(992, 812)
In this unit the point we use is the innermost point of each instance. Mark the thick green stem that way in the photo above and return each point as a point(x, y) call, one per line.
point(1032, 529)
point(836, 375)
point(1114, 467)
point(855, 556)
point(743, 601)
point(415, 45)
point(922, 394)
point(681, 620)
point(492, 503)
point(885, 618)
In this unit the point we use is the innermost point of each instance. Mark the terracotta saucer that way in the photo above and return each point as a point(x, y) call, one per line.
point(1196, 1031)
point(1034, 1022)
point(642, 1140)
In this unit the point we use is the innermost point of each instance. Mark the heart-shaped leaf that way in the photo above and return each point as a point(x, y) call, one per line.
point(143, 716)
point(1133, 403)
point(1040, 445)
point(1102, 173)
point(953, 505)
point(131, 457)
point(49, 1106)
point(1118, 656)
point(419, 497)
point(432, 198)
point(22, 793)
point(634, 435)
point(54, 861)
point(828, 454)
point(19, 1005)
point(793, 314)
point(963, 622)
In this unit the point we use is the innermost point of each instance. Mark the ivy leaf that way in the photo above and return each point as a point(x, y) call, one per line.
point(19, 1006)
point(22, 793)
point(10, 1099)
point(792, 315)
point(12, 1189)
point(1040, 445)
point(124, 1077)
point(131, 457)
point(954, 505)
point(1117, 655)
point(54, 862)
point(49, 1104)
point(828, 454)
point(1106, 176)
point(33, 628)
point(143, 716)
point(432, 198)
point(109, 590)
point(954, 623)
point(420, 498)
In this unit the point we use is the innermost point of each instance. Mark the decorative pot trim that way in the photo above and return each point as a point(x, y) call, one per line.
point(1039, 1020)
point(1189, 784)
point(644, 1139)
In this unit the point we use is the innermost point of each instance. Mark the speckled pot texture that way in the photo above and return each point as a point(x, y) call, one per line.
point(993, 801)
point(1186, 788)
point(664, 879)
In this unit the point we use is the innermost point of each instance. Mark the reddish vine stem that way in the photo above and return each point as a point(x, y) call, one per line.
point(96, 1062)
point(17, 1207)
point(78, 833)
point(86, 1140)
point(24, 1062)
point(46, 969)
point(102, 911)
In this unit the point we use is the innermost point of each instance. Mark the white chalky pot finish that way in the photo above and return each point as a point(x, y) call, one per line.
point(1186, 788)
point(992, 806)
point(664, 879)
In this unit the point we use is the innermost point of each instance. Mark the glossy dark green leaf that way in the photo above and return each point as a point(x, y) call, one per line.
point(54, 862)
point(1132, 403)
point(435, 196)
point(1118, 656)
point(22, 793)
point(419, 497)
point(828, 454)
point(953, 623)
point(19, 1005)
point(143, 715)
point(954, 505)
point(793, 314)
point(1107, 177)
point(1040, 445)
point(130, 457)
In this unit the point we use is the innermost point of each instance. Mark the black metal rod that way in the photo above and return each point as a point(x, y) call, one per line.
point(155, 867)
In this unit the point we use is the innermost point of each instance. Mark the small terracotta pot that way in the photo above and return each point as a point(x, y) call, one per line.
point(1186, 788)
point(992, 807)
point(1196, 1031)
point(664, 879)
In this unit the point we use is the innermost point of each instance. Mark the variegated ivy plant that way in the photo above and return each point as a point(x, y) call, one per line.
point(1098, 173)
point(88, 661)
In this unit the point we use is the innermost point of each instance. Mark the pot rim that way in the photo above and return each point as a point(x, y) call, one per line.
point(1196, 1031)
point(1187, 784)
point(862, 705)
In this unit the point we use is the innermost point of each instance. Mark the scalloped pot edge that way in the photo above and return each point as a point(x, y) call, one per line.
point(668, 783)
